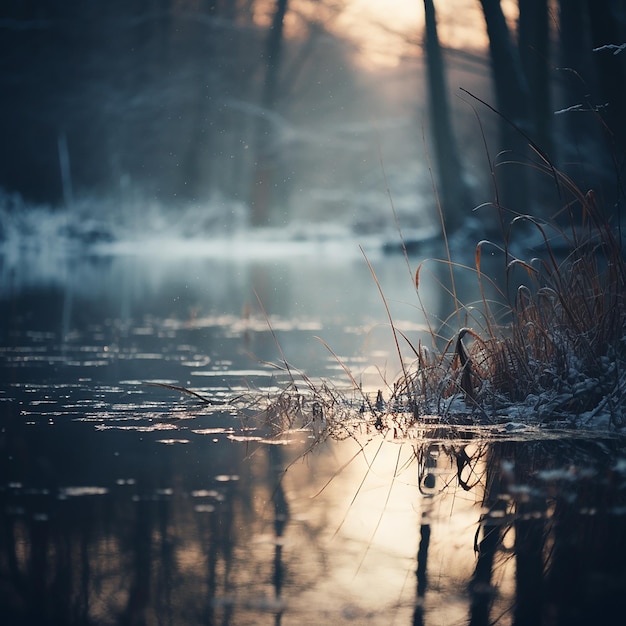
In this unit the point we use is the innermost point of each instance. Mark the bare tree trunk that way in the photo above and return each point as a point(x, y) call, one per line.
point(453, 192)
point(534, 50)
point(575, 128)
point(512, 102)
point(607, 27)
point(510, 83)
point(265, 165)
point(610, 69)
point(533, 44)
point(586, 84)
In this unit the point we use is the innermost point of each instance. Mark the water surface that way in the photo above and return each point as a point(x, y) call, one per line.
point(123, 501)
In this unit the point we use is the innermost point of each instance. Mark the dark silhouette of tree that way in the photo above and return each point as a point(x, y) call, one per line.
point(452, 191)
point(132, 92)
point(609, 68)
point(533, 42)
point(591, 92)
point(266, 156)
point(178, 102)
point(512, 97)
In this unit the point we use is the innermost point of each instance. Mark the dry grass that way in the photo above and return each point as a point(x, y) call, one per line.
point(564, 347)
point(554, 350)
point(562, 350)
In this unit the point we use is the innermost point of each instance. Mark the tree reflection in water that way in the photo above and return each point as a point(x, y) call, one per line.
point(130, 528)
point(555, 507)
point(152, 534)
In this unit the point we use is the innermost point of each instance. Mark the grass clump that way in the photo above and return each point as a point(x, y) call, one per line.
point(564, 348)
point(549, 349)
point(553, 347)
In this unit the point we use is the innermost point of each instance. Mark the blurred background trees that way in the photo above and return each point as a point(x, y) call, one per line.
point(283, 107)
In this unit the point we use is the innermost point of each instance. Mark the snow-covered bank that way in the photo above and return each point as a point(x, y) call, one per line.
point(218, 227)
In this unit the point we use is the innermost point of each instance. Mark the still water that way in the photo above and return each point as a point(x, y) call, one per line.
point(124, 501)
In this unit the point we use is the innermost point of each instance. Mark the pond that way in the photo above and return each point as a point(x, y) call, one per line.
point(126, 501)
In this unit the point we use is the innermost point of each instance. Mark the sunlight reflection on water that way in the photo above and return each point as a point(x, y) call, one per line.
point(148, 502)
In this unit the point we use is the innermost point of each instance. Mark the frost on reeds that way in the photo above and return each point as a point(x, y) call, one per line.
point(563, 351)
point(549, 350)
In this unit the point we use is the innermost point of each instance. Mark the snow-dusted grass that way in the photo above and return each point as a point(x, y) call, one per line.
point(550, 351)
point(562, 352)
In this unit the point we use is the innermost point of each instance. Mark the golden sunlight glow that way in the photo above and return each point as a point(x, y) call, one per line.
point(375, 511)
point(385, 32)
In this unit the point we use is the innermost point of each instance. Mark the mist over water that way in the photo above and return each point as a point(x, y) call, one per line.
point(193, 204)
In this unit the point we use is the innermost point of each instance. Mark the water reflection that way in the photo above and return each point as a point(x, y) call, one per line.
point(125, 502)
point(549, 544)
point(117, 527)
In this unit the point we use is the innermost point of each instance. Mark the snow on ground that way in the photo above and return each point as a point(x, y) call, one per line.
point(109, 226)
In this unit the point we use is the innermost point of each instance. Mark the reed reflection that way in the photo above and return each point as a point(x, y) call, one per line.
point(550, 546)
point(427, 486)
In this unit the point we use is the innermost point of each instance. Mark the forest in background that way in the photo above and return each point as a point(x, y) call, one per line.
point(262, 104)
